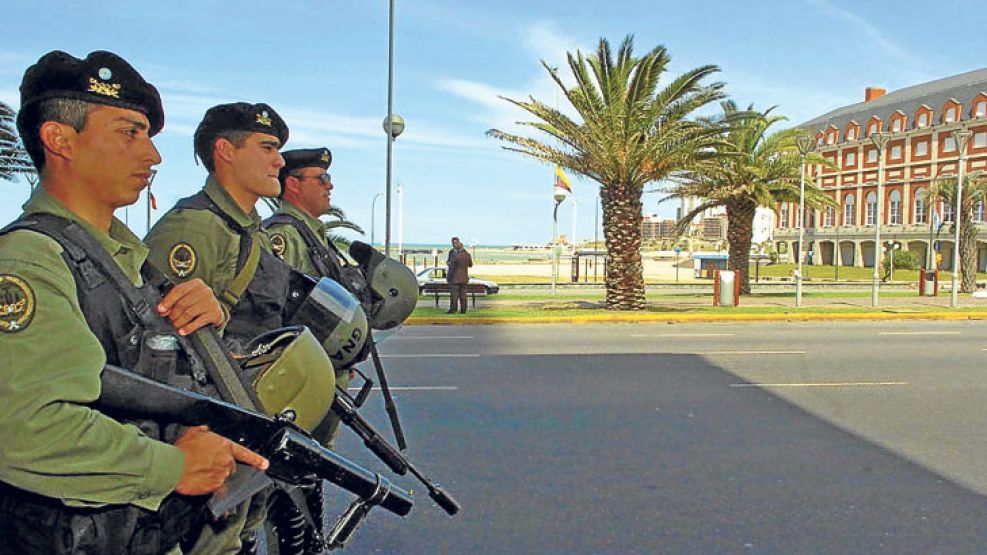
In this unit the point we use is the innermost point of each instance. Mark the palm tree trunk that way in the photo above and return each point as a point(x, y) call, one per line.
point(740, 224)
point(968, 252)
point(622, 231)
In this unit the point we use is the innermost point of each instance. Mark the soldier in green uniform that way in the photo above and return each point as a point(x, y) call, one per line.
point(215, 236)
point(74, 479)
point(298, 236)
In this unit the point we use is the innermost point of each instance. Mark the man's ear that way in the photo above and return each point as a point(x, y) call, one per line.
point(292, 185)
point(58, 139)
point(223, 149)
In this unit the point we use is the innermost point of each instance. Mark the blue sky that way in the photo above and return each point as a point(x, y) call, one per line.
point(323, 66)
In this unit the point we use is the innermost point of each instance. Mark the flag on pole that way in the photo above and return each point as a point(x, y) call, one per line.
point(561, 181)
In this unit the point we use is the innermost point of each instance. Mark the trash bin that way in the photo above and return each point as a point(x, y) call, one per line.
point(928, 283)
point(726, 288)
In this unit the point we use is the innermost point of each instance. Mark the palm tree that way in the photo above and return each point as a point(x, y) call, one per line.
point(337, 220)
point(754, 169)
point(13, 157)
point(974, 191)
point(631, 133)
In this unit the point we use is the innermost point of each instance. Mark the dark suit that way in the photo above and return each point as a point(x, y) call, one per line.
point(458, 276)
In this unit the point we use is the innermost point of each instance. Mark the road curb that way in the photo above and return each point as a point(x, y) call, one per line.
point(698, 318)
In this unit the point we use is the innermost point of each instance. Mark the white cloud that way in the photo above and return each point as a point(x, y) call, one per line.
point(867, 29)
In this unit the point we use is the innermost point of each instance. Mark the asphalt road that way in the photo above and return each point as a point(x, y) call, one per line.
point(864, 437)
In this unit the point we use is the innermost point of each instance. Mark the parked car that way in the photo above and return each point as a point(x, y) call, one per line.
point(433, 279)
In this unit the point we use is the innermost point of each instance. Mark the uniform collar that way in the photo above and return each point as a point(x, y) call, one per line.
point(128, 251)
point(313, 223)
point(225, 202)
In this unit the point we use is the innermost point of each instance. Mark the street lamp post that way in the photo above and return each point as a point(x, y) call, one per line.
point(962, 137)
point(373, 216)
point(559, 196)
point(805, 145)
point(393, 124)
point(880, 140)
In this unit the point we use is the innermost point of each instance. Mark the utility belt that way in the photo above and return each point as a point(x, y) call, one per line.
point(32, 524)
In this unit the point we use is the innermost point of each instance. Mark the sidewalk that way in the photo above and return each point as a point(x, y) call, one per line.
point(679, 304)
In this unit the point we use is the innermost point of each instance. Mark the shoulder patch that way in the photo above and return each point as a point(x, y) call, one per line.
point(278, 244)
point(17, 304)
point(182, 259)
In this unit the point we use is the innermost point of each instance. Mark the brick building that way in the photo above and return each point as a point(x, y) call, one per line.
point(921, 121)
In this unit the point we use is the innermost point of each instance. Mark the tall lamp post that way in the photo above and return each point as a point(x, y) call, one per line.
point(805, 145)
point(373, 216)
point(559, 196)
point(880, 140)
point(962, 136)
point(393, 123)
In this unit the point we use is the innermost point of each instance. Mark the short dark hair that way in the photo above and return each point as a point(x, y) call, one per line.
point(204, 149)
point(71, 112)
point(456, 239)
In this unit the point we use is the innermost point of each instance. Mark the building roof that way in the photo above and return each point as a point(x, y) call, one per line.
point(963, 88)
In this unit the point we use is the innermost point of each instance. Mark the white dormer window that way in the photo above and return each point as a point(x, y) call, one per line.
point(896, 126)
point(950, 115)
point(851, 134)
point(871, 129)
point(980, 109)
point(923, 119)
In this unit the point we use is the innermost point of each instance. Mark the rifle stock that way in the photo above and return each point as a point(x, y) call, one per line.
point(293, 454)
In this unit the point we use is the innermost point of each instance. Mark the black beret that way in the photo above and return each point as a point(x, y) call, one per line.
point(237, 116)
point(305, 158)
point(101, 78)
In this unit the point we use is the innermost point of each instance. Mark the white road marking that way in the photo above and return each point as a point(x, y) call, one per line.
point(681, 335)
point(433, 337)
point(819, 384)
point(432, 355)
point(919, 333)
point(747, 353)
point(414, 388)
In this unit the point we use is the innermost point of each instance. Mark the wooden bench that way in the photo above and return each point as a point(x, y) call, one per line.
point(443, 289)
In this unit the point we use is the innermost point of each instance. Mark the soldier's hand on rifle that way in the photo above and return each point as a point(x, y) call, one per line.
point(209, 459)
point(191, 305)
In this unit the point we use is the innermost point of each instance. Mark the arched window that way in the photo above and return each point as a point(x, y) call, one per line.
point(921, 214)
point(894, 208)
point(849, 212)
point(871, 215)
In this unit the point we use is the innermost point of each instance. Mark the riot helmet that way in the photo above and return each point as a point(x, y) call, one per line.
point(392, 284)
point(334, 316)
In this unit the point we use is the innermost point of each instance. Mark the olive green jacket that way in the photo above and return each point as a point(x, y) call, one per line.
point(289, 245)
point(53, 443)
point(187, 244)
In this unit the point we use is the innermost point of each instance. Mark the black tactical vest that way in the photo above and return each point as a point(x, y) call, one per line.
point(261, 307)
point(34, 524)
point(327, 260)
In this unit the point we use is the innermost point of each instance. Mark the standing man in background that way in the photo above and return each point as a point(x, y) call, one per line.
point(457, 275)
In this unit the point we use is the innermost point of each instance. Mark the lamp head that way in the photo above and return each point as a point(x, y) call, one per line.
point(805, 144)
point(395, 126)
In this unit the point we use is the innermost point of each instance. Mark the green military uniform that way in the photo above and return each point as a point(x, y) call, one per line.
point(188, 243)
point(289, 245)
point(51, 367)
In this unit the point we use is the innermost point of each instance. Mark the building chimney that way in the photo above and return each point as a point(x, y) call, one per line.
point(870, 93)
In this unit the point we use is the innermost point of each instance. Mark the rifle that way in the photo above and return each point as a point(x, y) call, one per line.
point(346, 407)
point(294, 455)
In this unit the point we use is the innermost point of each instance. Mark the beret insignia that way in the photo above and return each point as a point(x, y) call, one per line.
point(17, 304)
point(105, 89)
point(278, 244)
point(182, 259)
point(325, 156)
point(264, 118)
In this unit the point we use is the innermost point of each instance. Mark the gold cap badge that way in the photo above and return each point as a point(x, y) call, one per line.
point(105, 89)
point(264, 118)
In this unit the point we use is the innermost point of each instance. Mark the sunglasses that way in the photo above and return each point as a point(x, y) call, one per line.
point(325, 178)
